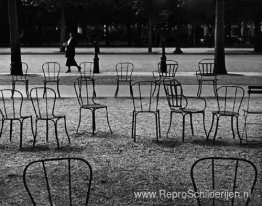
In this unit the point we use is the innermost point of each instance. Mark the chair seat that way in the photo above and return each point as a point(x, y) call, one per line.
point(91, 106)
point(50, 116)
point(225, 113)
point(187, 110)
point(16, 117)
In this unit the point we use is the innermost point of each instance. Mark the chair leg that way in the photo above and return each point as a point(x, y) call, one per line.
point(199, 88)
point(211, 127)
point(156, 120)
point(170, 121)
point(11, 129)
point(26, 89)
point(58, 91)
point(2, 126)
point(117, 88)
point(93, 121)
point(159, 127)
point(44, 89)
point(107, 118)
point(130, 89)
point(66, 130)
point(32, 126)
point(183, 127)
point(35, 133)
point(21, 132)
point(238, 133)
point(135, 127)
point(47, 130)
point(191, 124)
point(56, 135)
point(216, 130)
point(232, 126)
point(204, 124)
point(133, 117)
point(79, 120)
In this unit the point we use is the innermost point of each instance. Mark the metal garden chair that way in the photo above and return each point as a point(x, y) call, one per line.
point(255, 112)
point(11, 109)
point(51, 71)
point(21, 78)
point(206, 73)
point(87, 70)
point(223, 176)
point(179, 104)
point(229, 100)
point(58, 181)
point(145, 95)
point(43, 101)
point(171, 70)
point(124, 72)
point(85, 93)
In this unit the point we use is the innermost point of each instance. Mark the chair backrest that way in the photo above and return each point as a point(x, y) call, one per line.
point(145, 95)
point(87, 69)
point(85, 90)
point(21, 77)
point(51, 71)
point(252, 92)
point(206, 67)
point(174, 94)
point(230, 98)
point(11, 102)
point(223, 176)
point(43, 101)
point(58, 181)
point(171, 68)
point(124, 70)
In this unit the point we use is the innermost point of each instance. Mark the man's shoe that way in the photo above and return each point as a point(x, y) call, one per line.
point(68, 71)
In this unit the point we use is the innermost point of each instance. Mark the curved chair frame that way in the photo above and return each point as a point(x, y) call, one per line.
point(13, 113)
point(49, 113)
point(51, 71)
point(237, 165)
point(124, 71)
point(178, 104)
point(87, 100)
point(21, 78)
point(206, 73)
point(223, 105)
point(145, 104)
point(47, 181)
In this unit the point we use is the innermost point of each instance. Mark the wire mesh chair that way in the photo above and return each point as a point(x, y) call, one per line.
point(51, 71)
point(58, 181)
point(171, 70)
point(85, 93)
point(21, 78)
point(180, 104)
point(43, 100)
point(11, 109)
point(87, 70)
point(229, 101)
point(253, 111)
point(124, 72)
point(206, 73)
point(145, 95)
point(223, 176)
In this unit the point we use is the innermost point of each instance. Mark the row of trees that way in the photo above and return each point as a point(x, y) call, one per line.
point(166, 13)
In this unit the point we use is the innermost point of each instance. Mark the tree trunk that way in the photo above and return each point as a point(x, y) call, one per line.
point(150, 35)
point(62, 27)
point(16, 66)
point(219, 67)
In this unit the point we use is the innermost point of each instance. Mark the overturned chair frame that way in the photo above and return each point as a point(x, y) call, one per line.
point(227, 109)
point(11, 109)
point(43, 100)
point(85, 93)
point(179, 104)
point(47, 169)
point(145, 101)
point(223, 170)
point(124, 72)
